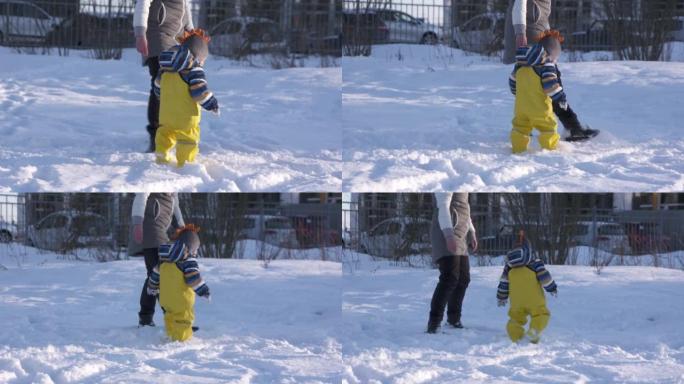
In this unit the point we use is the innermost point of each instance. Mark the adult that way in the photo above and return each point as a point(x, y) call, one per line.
point(151, 217)
point(526, 21)
point(451, 227)
point(156, 24)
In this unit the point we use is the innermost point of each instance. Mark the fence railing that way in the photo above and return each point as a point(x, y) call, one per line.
point(67, 222)
point(398, 233)
point(237, 27)
point(629, 29)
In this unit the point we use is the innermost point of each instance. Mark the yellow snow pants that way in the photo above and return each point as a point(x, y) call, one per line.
point(177, 300)
point(179, 119)
point(533, 109)
point(527, 299)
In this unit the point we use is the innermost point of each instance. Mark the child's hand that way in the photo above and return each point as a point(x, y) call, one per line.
point(203, 291)
point(216, 111)
point(501, 303)
point(152, 292)
point(554, 293)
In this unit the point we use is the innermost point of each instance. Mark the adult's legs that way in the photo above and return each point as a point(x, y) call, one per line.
point(455, 303)
point(448, 280)
point(569, 118)
point(148, 302)
point(152, 103)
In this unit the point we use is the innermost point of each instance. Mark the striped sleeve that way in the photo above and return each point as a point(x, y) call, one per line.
point(502, 290)
point(511, 79)
point(199, 89)
point(543, 276)
point(153, 279)
point(192, 276)
point(550, 82)
point(175, 59)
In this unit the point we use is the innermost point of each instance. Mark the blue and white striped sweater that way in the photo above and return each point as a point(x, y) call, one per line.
point(180, 60)
point(174, 253)
point(537, 58)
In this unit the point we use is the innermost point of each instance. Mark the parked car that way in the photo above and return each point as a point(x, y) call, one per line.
point(64, 229)
point(676, 29)
point(276, 230)
point(483, 33)
point(396, 237)
point(8, 232)
point(599, 36)
point(24, 22)
point(647, 238)
point(84, 30)
point(404, 28)
point(363, 28)
point(607, 236)
point(242, 35)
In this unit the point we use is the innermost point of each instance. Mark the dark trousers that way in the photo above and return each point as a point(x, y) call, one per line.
point(567, 117)
point(454, 277)
point(153, 102)
point(148, 302)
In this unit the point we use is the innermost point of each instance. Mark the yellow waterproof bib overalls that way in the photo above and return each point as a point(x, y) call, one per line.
point(527, 298)
point(178, 301)
point(533, 109)
point(179, 119)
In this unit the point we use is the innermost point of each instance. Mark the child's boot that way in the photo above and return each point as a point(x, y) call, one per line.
point(519, 141)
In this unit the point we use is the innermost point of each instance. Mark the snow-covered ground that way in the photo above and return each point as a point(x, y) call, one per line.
point(621, 326)
point(420, 118)
point(78, 124)
point(68, 321)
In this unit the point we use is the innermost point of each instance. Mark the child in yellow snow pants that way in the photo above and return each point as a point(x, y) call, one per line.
point(522, 281)
point(176, 279)
point(535, 83)
point(533, 109)
point(182, 88)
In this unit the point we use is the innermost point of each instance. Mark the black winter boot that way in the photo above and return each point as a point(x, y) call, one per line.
point(153, 133)
point(433, 327)
point(570, 122)
point(455, 323)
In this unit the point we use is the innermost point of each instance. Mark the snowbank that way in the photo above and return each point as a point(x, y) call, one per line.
point(623, 325)
point(421, 118)
point(67, 322)
point(73, 123)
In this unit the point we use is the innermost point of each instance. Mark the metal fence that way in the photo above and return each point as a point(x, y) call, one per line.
point(631, 29)
point(66, 222)
point(398, 231)
point(237, 27)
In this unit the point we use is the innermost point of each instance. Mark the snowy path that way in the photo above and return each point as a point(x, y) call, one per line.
point(67, 322)
point(71, 123)
point(622, 326)
point(436, 119)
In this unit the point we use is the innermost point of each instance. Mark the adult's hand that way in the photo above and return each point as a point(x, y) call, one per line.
point(451, 241)
point(521, 40)
point(473, 243)
point(141, 45)
point(138, 233)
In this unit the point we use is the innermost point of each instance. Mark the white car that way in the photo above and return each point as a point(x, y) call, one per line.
point(8, 232)
point(606, 236)
point(397, 237)
point(482, 33)
point(60, 230)
point(404, 28)
point(276, 230)
point(242, 35)
point(676, 31)
point(23, 21)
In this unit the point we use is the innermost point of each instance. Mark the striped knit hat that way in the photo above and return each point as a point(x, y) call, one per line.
point(186, 245)
point(519, 257)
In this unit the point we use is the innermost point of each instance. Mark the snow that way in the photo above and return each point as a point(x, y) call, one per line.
point(621, 326)
point(74, 123)
point(420, 118)
point(66, 321)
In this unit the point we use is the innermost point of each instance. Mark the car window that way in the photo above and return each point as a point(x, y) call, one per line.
point(379, 230)
point(262, 31)
point(406, 18)
point(228, 28)
point(278, 223)
point(92, 225)
point(608, 230)
point(248, 222)
point(472, 24)
point(60, 222)
point(485, 24)
point(393, 228)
